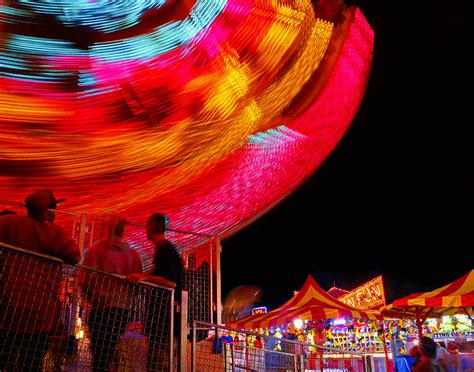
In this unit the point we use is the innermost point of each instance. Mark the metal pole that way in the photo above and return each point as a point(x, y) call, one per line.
point(75, 308)
point(193, 349)
point(171, 352)
point(82, 233)
point(302, 362)
point(384, 340)
point(393, 342)
point(232, 362)
point(218, 280)
point(92, 230)
point(183, 335)
point(211, 284)
point(369, 363)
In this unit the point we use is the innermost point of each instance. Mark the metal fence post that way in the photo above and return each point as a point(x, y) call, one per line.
point(183, 336)
point(368, 363)
point(82, 233)
point(172, 320)
point(193, 349)
point(218, 280)
point(393, 344)
point(302, 363)
point(211, 280)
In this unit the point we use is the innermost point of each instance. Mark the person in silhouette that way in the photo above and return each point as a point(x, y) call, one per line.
point(167, 272)
point(109, 295)
point(31, 285)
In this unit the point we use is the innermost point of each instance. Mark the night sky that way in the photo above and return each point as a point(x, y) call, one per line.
point(396, 195)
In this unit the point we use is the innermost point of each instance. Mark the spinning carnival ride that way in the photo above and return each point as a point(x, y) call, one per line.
point(209, 110)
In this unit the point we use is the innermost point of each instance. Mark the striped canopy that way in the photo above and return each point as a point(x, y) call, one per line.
point(310, 303)
point(454, 298)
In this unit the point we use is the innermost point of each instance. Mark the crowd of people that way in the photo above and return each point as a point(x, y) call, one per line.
point(431, 356)
point(30, 304)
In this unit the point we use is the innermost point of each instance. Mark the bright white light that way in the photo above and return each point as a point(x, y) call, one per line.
point(416, 342)
point(339, 321)
point(298, 323)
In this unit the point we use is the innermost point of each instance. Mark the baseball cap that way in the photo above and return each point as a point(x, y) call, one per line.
point(52, 198)
point(42, 198)
point(37, 200)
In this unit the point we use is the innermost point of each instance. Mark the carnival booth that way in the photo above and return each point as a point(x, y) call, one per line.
point(452, 300)
point(365, 335)
point(313, 308)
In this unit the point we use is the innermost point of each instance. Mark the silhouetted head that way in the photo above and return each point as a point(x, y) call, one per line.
point(427, 347)
point(37, 204)
point(157, 224)
point(116, 226)
point(53, 203)
point(38, 201)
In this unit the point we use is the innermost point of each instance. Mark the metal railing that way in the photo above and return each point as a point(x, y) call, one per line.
point(228, 349)
point(200, 254)
point(55, 316)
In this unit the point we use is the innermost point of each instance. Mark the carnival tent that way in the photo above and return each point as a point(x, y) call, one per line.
point(454, 298)
point(310, 303)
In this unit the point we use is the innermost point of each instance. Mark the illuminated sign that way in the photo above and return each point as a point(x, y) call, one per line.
point(259, 310)
point(370, 295)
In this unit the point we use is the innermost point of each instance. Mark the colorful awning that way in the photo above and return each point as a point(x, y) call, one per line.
point(456, 297)
point(310, 303)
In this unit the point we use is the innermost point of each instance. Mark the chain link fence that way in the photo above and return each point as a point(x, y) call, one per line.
point(200, 256)
point(59, 317)
point(70, 300)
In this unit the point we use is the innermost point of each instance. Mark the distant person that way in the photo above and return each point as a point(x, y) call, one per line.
point(30, 286)
point(167, 272)
point(425, 355)
point(109, 295)
point(442, 354)
point(453, 359)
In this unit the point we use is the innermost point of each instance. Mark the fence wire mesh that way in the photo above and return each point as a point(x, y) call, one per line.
point(72, 318)
point(199, 256)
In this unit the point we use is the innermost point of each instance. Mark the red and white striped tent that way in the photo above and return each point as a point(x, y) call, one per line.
point(310, 303)
point(454, 298)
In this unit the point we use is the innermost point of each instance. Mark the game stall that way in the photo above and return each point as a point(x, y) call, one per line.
point(452, 306)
